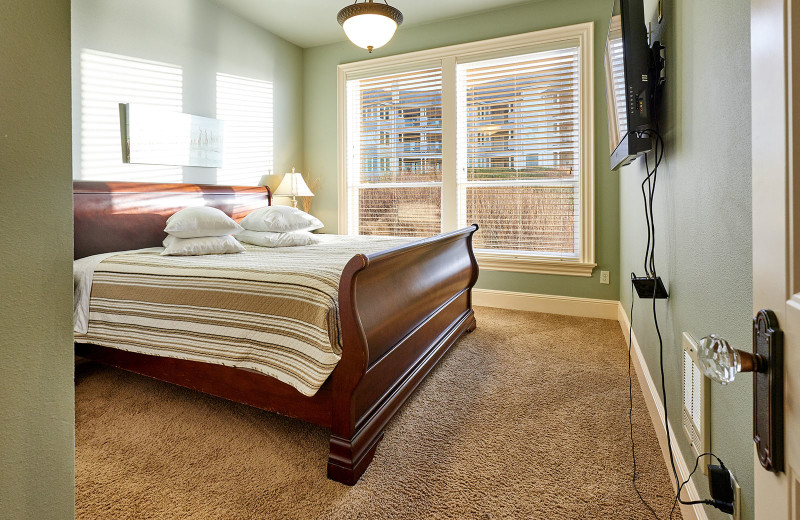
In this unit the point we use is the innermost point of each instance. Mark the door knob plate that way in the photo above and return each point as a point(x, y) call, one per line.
point(768, 391)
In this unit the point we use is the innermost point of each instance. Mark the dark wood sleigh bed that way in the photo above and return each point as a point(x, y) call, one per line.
point(400, 311)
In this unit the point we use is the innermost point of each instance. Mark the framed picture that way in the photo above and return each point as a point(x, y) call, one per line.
point(152, 135)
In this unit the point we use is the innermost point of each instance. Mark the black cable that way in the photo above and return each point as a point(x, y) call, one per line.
point(696, 463)
point(666, 416)
point(652, 217)
point(630, 408)
point(648, 196)
point(651, 189)
point(647, 220)
point(647, 213)
point(658, 157)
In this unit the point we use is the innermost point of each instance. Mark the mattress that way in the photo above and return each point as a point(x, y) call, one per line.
point(272, 310)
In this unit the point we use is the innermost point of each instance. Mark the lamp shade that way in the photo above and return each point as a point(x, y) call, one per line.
point(293, 185)
point(370, 25)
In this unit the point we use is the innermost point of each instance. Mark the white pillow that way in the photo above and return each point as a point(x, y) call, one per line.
point(201, 246)
point(270, 239)
point(280, 219)
point(201, 221)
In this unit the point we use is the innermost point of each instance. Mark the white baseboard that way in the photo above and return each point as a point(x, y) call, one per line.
point(566, 305)
point(656, 410)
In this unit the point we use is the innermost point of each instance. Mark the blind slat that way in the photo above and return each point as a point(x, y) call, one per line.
point(615, 50)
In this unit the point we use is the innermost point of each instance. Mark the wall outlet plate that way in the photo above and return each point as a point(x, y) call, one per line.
point(605, 277)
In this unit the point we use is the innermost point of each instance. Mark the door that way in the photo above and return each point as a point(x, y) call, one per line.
point(775, 79)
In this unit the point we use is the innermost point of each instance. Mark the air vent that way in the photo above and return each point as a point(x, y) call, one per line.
point(696, 400)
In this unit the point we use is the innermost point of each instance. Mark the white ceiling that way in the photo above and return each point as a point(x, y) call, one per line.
point(309, 23)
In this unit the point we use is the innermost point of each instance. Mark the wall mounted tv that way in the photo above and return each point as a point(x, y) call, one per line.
point(631, 80)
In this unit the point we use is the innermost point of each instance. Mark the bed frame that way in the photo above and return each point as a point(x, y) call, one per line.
point(400, 310)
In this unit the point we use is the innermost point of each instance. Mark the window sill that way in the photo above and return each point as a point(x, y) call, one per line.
point(501, 262)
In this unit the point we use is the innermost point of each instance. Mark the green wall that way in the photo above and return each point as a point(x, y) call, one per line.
point(36, 360)
point(320, 125)
point(703, 217)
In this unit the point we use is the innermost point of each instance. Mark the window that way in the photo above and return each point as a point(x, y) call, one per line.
point(394, 157)
point(508, 109)
point(498, 132)
point(245, 104)
point(106, 81)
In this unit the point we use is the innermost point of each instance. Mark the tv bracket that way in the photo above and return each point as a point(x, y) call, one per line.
point(658, 63)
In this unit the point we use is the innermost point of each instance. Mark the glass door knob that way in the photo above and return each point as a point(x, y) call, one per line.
point(721, 362)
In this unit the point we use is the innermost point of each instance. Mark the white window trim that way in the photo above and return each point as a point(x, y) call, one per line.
point(583, 35)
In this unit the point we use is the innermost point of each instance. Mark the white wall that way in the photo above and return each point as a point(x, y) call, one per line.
point(202, 39)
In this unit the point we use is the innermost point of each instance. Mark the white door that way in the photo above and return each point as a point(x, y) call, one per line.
point(775, 48)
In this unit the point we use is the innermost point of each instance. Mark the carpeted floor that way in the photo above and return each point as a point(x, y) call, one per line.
point(527, 417)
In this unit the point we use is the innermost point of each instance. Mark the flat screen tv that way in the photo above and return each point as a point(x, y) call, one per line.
point(631, 80)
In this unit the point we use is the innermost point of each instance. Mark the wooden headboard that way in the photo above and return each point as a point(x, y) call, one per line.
point(117, 216)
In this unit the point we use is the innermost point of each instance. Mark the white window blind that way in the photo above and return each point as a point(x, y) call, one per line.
point(618, 80)
point(615, 74)
point(394, 156)
point(245, 105)
point(519, 161)
point(106, 81)
point(497, 132)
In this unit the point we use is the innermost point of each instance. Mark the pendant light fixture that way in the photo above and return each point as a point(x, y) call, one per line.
point(369, 25)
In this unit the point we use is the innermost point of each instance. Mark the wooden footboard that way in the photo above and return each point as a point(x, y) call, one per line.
point(401, 310)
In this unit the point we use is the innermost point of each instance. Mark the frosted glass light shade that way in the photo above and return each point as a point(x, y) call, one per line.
point(293, 185)
point(369, 31)
point(369, 25)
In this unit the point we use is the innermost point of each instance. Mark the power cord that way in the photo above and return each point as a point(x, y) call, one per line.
point(647, 196)
point(678, 484)
point(630, 410)
point(696, 464)
point(648, 193)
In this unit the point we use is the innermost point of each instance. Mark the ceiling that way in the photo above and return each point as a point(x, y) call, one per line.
point(308, 23)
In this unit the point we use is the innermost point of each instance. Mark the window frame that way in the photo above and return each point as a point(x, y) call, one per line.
point(580, 35)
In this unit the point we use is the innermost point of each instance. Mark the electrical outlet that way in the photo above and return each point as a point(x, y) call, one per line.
point(737, 500)
point(605, 277)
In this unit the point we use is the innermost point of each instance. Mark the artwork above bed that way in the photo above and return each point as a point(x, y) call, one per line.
point(152, 135)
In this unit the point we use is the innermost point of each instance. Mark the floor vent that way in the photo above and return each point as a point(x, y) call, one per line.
point(696, 400)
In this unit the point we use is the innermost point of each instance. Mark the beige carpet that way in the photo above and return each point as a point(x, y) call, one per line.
point(525, 418)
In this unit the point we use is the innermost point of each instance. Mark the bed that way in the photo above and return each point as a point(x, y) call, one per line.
point(399, 309)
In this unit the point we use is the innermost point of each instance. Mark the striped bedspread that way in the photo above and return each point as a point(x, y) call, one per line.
point(273, 310)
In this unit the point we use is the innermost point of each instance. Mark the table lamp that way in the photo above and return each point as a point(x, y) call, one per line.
point(293, 186)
